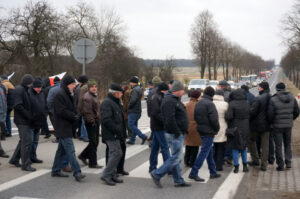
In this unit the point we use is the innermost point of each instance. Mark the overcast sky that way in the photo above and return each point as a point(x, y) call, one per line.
point(161, 28)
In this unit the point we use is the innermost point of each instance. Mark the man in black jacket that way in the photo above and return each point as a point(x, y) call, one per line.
point(283, 109)
point(157, 126)
point(23, 119)
point(113, 132)
point(259, 125)
point(176, 121)
point(65, 116)
point(206, 116)
point(135, 110)
point(39, 112)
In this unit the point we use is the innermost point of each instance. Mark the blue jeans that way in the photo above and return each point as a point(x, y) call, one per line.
point(83, 131)
point(205, 153)
point(65, 147)
point(8, 122)
point(173, 163)
point(133, 119)
point(35, 142)
point(235, 155)
point(158, 141)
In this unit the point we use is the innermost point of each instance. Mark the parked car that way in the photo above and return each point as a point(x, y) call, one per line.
point(197, 84)
point(146, 93)
point(232, 85)
point(214, 84)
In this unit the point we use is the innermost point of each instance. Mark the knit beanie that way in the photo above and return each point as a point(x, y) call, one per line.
point(156, 80)
point(37, 83)
point(27, 79)
point(163, 86)
point(280, 86)
point(56, 79)
point(83, 79)
point(134, 80)
point(68, 80)
point(209, 91)
point(264, 85)
point(195, 94)
point(91, 83)
point(177, 86)
point(115, 87)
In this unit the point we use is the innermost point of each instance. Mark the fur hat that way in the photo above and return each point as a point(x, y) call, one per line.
point(115, 87)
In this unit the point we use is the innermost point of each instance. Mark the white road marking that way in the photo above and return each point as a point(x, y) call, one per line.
point(22, 179)
point(142, 171)
point(20, 197)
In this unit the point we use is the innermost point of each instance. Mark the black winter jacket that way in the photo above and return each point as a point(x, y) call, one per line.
point(64, 113)
point(135, 104)
point(174, 115)
point(39, 108)
point(206, 116)
point(22, 105)
point(259, 112)
point(238, 115)
point(283, 109)
point(112, 119)
point(149, 98)
point(154, 111)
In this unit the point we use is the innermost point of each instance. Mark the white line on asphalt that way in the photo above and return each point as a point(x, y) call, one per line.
point(142, 171)
point(22, 179)
point(20, 197)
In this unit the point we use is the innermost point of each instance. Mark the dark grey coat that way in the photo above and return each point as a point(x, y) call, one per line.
point(135, 104)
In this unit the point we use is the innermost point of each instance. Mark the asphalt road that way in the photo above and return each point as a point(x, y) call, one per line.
point(18, 184)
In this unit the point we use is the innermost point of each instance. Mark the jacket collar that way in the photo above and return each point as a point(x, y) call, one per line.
point(207, 97)
point(110, 96)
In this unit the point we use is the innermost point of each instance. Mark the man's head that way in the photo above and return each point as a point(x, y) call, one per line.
point(134, 81)
point(280, 86)
point(263, 86)
point(177, 88)
point(92, 86)
point(150, 84)
point(163, 87)
point(37, 85)
point(223, 84)
point(56, 80)
point(69, 81)
point(156, 80)
point(245, 88)
point(195, 94)
point(82, 79)
point(116, 90)
point(27, 80)
point(209, 91)
point(124, 85)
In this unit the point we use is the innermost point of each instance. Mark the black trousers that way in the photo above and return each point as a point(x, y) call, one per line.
point(90, 152)
point(121, 164)
point(284, 135)
point(190, 155)
point(219, 151)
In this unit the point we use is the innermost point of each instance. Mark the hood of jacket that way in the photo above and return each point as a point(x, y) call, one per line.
point(284, 96)
point(219, 98)
point(238, 94)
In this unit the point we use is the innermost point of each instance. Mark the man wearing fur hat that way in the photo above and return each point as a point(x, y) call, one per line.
point(23, 119)
point(113, 130)
point(282, 110)
point(135, 111)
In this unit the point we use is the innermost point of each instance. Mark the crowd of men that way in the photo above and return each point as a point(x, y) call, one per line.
point(223, 122)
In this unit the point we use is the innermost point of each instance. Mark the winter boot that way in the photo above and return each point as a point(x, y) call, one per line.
point(236, 169)
point(245, 168)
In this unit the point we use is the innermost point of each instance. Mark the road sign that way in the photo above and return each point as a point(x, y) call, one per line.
point(84, 51)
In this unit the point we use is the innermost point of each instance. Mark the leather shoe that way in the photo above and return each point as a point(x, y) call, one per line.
point(108, 181)
point(59, 174)
point(67, 169)
point(117, 180)
point(124, 173)
point(95, 166)
point(29, 168)
point(79, 177)
point(8, 135)
point(47, 136)
point(212, 176)
point(288, 165)
point(156, 181)
point(16, 164)
point(37, 161)
point(4, 156)
point(144, 140)
point(131, 143)
point(280, 169)
point(83, 160)
point(184, 184)
point(196, 178)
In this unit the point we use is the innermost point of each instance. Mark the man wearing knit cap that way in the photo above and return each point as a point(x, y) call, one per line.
point(156, 80)
point(282, 110)
point(113, 130)
point(91, 115)
point(38, 104)
point(175, 121)
point(157, 127)
point(259, 125)
point(23, 119)
point(79, 92)
point(135, 110)
point(66, 116)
